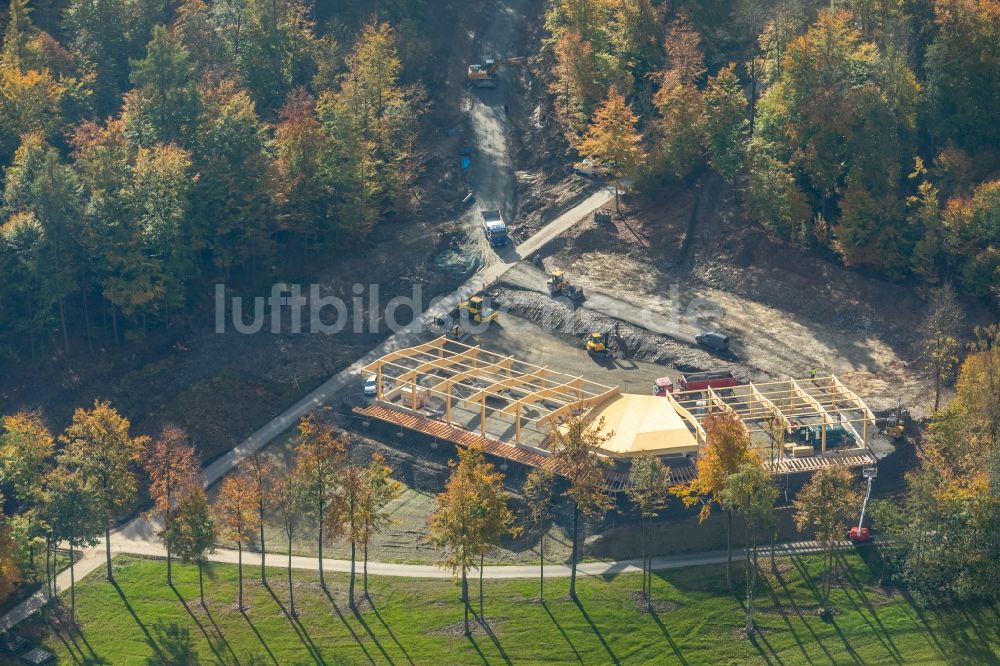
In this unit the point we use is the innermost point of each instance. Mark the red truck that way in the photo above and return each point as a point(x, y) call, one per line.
point(696, 381)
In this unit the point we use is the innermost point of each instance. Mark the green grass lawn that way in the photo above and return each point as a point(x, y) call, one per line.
point(142, 621)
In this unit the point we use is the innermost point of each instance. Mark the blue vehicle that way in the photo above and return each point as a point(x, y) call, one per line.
point(494, 228)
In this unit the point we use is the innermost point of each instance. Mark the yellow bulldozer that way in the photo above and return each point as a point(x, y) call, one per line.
point(484, 74)
point(479, 312)
point(597, 344)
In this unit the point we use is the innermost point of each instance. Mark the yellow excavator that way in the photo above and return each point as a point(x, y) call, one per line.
point(894, 427)
point(484, 74)
point(560, 286)
point(478, 311)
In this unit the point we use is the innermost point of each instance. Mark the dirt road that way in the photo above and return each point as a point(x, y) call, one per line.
point(491, 174)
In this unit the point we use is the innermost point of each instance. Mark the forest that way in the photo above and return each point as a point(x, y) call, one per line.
point(149, 147)
point(860, 130)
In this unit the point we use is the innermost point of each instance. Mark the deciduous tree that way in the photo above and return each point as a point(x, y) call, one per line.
point(471, 513)
point(26, 446)
point(73, 509)
point(319, 454)
point(289, 502)
point(99, 446)
point(750, 493)
point(826, 504)
point(539, 491)
point(575, 448)
point(172, 466)
point(262, 473)
point(726, 124)
point(612, 140)
point(727, 448)
point(939, 333)
point(649, 490)
point(380, 490)
point(192, 532)
point(234, 510)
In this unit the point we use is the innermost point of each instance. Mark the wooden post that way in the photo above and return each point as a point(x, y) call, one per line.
point(378, 378)
point(864, 431)
point(517, 422)
point(414, 388)
point(823, 436)
point(447, 406)
point(482, 416)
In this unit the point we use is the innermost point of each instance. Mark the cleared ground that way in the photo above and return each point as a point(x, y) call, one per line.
point(695, 621)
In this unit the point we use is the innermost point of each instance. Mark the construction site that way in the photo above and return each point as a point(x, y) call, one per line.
point(470, 396)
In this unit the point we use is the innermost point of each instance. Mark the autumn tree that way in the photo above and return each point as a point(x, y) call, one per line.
point(344, 515)
point(575, 447)
point(649, 490)
point(939, 333)
point(470, 513)
point(234, 511)
point(751, 494)
point(10, 573)
point(727, 448)
point(612, 140)
point(288, 501)
point(960, 63)
point(261, 473)
point(679, 130)
point(826, 504)
point(381, 489)
point(955, 491)
point(192, 532)
point(99, 446)
point(73, 509)
point(539, 491)
point(172, 466)
point(320, 451)
point(26, 446)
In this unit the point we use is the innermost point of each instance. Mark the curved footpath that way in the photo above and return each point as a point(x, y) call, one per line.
point(93, 559)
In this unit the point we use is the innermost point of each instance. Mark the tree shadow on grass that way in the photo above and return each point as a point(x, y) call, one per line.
point(354, 634)
point(389, 631)
point(545, 605)
point(218, 632)
point(260, 638)
point(299, 628)
point(788, 593)
point(177, 646)
point(201, 627)
point(784, 616)
point(371, 634)
point(489, 632)
point(666, 635)
point(880, 630)
point(963, 648)
point(142, 626)
point(70, 636)
point(597, 632)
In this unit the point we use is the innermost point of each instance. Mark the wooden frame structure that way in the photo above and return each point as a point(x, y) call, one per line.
point(471, 384)
point(468, 376)
point(785, 406)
